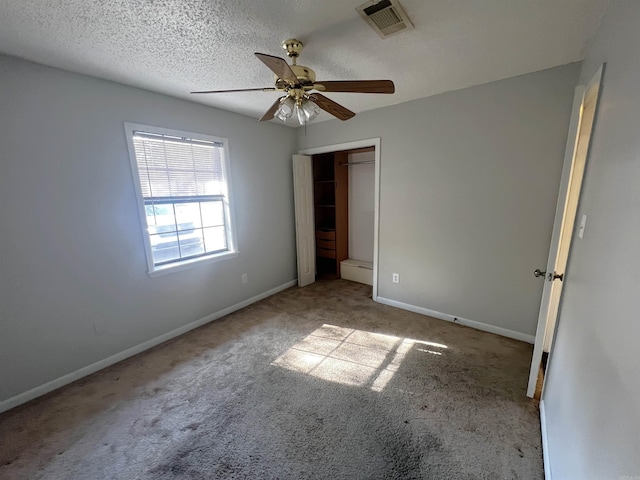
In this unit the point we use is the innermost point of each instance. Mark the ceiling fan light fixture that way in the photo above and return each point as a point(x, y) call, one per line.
point(306, 111)
point(311, 110)
point(302, 118)
point(285, 110)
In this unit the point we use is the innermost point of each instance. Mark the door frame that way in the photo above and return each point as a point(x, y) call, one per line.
point(563, 221)
point(370, 142)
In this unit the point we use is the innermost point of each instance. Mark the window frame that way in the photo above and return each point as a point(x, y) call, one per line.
point(228, 203)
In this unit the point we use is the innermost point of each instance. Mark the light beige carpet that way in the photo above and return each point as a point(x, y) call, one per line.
point(312, 383)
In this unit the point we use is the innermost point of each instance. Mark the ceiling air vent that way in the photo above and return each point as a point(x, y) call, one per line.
point(386, 17)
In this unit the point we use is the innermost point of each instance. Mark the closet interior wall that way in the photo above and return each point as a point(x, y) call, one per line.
point(362, 176)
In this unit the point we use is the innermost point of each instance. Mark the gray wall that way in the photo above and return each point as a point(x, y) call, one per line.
point(592, 395)
point(73, 282)
point(469, 182)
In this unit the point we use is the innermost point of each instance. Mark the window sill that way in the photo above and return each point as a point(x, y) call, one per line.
point(189, 264)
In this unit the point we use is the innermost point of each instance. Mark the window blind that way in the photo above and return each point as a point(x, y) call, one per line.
point(178, 167)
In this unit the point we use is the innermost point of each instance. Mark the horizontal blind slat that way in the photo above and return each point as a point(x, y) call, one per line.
point(174, 139)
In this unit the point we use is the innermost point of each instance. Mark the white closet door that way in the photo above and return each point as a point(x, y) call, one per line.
point(305, 223)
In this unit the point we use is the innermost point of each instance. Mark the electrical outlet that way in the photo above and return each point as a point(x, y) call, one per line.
point(245, 279)
point(395, 277)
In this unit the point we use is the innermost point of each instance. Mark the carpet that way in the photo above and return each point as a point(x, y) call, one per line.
point(312, 383)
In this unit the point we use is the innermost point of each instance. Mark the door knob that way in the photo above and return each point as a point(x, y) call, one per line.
point(538, 273)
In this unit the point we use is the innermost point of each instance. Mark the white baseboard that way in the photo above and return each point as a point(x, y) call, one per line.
point(545, 444)
point(462, 321)
point(99, 365)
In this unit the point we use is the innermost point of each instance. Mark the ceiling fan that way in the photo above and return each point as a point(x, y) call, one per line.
point(297, 82)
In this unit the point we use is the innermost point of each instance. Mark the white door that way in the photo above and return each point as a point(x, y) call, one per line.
point(305, 223)
point(580, 129)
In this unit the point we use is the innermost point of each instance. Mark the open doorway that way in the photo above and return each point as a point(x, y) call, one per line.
point(337, 197)
point(343, 187)
point(580, 132)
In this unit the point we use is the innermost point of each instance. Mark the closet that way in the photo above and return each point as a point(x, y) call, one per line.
point(332, 202)
point(331, 210)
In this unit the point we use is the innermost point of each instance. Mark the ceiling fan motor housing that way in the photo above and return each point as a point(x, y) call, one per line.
point(305, 74)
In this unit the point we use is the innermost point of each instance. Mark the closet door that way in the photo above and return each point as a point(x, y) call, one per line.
point(305, 222)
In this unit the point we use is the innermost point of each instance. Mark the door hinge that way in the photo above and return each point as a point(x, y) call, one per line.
point(555, 276)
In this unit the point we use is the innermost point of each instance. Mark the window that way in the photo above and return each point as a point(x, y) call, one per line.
point(183, 192)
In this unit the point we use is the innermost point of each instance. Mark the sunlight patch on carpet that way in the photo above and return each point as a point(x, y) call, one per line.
point(352, 357)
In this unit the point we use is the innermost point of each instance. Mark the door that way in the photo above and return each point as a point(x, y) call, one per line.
point(580, 130)
point(305, 223)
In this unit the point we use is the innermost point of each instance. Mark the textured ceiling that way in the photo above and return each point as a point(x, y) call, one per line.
point(175, 46)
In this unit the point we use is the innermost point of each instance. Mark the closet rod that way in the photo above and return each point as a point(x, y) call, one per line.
point(348, 164)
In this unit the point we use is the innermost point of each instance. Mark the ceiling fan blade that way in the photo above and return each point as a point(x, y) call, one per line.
point(356, 86)
point(331, 107)
point(278, 66)
point(265, 89)
point(272, 110)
